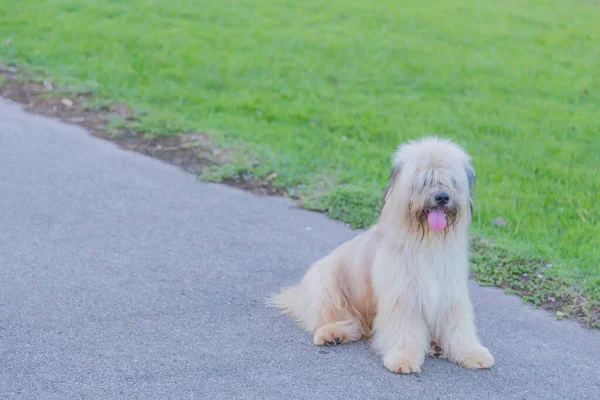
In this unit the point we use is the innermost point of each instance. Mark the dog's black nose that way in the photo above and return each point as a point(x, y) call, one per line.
point(442, 198)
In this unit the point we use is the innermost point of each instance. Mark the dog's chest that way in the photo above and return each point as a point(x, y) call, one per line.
point(433, 283)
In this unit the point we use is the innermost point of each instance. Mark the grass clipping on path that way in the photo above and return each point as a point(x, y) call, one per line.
point(318, 94)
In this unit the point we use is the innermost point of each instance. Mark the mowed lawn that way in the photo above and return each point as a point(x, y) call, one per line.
point(321, 92)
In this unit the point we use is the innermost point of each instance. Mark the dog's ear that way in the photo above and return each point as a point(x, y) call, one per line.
point(471, 179)
point(394, 173)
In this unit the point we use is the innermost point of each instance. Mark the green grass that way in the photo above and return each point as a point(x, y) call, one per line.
point(323, 91)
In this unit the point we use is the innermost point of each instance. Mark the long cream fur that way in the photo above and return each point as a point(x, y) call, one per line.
point(400, 283)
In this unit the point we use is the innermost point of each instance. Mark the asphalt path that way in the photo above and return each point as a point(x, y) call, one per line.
point(122, 277)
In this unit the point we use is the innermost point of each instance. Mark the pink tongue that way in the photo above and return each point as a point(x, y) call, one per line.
point(436, 219)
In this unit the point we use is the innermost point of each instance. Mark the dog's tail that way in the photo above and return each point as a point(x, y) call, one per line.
point(285, 300)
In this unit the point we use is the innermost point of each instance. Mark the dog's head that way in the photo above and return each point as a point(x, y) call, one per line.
point(431, 185)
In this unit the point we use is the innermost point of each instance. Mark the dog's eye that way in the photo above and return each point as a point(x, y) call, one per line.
point(426, 180)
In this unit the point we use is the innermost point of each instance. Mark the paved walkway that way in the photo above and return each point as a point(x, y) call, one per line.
point(122, 277)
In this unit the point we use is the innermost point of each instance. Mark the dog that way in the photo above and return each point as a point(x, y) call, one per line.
point(403, 283)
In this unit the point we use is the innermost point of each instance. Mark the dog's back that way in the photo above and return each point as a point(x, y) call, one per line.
point(335, 289)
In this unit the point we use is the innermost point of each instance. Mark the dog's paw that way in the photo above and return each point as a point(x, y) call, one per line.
point(402, 363)
point(477, 358)
point(435, 350)
point(337, 333)
point(326, 336)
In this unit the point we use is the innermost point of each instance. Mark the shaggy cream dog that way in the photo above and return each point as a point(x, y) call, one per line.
point(403, 283)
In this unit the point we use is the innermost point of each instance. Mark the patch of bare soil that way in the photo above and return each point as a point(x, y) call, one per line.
point(190, 151)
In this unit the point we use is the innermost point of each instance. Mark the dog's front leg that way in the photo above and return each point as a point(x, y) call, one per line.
point(400, 333)
point(401, 336)
point(459, 338)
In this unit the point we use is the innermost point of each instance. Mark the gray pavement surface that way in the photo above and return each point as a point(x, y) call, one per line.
point(122, 277)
